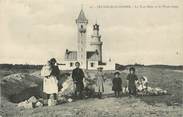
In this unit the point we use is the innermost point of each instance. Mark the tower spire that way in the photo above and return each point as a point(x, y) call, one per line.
point(81, 18)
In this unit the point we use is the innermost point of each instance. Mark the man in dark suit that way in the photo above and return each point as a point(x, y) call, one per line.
point(77, 76)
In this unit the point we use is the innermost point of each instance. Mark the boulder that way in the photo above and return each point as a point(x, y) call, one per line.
point(32, 99)
point(154, 91)
point(39, 104)
point(52, 102)
point(24, 86)
point(61, 99)
point(68, 88)
point(25, 104)
point(32, 102)
point(70, 100)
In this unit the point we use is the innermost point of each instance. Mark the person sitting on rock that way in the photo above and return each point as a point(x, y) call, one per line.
point(77, 76)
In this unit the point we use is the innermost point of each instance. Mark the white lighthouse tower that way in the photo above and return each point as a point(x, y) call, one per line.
point(89, 50)
point(96, 43)
point(81, 22)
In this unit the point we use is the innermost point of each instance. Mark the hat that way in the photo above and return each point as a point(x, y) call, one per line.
point(77, 63)
point(53, 60)
point(116, 73)
point(132, 69)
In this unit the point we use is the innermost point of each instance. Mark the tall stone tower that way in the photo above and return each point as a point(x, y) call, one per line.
point(81, 22)
point(96, 42)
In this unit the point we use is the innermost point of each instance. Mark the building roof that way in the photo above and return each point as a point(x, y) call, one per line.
point(92, 55)
point(81, 18)
point(71, 55)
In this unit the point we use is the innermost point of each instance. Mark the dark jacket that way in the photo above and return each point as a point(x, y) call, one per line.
point(132, 78)
point(77, 75)
point(117, 84)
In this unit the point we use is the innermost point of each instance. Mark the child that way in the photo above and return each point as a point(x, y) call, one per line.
point(100, 81)
point(117, 84)
point(78, 76)
point(142, 85)
point(50, 81)
point(131, 79)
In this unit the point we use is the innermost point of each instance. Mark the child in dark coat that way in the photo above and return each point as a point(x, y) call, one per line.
point(117, 84)
point(131, 82)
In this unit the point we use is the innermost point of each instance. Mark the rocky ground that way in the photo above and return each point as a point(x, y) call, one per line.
point(109, 106)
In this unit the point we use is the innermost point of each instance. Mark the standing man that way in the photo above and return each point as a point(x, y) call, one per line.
point(77, 76)
point(131, 79)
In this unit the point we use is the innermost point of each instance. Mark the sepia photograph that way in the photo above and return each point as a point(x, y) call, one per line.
point(91, 58)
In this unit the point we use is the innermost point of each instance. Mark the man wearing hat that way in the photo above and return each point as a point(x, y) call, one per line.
point(131, 79)
point(77, 76)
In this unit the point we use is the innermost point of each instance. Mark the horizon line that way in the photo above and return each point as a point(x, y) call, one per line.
point(135, 64)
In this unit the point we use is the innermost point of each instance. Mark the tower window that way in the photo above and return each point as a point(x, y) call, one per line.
point(71, 64)
point(92, 64)
point(81, 26)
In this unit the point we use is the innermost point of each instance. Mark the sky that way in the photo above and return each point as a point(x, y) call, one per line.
point(33, 31)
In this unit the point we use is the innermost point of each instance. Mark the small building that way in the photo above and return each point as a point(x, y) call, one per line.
point(89, 55)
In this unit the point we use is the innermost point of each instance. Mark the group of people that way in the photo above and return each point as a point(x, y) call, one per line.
point(133, 84)
point(51, 85)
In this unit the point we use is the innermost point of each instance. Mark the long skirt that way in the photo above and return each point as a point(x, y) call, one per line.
point(100, 84)
point(100, 88)
point(50, 85)
point(117, 88)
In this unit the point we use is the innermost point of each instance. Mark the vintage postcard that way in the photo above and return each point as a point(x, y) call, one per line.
point(91, 58)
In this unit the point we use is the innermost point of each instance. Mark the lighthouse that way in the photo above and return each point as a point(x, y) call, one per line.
point(89, 48)
point(96, 43)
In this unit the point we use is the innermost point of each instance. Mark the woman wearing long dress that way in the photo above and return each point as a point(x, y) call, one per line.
point(50, 81)
point(100, 81)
